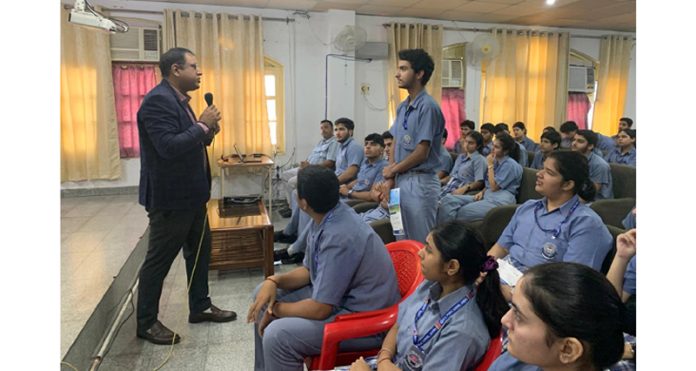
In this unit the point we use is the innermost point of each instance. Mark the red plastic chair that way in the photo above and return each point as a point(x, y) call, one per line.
point(495, 347)
point(404, 255)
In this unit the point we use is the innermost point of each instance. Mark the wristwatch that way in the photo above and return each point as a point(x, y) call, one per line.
point(350, 193)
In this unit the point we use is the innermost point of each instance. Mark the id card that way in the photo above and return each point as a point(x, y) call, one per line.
point(395, 211)
point(413, 359)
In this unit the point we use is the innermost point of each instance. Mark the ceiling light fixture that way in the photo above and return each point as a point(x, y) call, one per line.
point(550, 2)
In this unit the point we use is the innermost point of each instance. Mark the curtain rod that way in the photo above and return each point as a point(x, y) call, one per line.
point(184, 13)
point(471, 29)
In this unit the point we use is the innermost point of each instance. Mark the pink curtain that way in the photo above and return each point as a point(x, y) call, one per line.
point(577, 109)
point(131, 83)
point(452, 105)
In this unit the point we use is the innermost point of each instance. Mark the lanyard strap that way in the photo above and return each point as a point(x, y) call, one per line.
point(556, 231)
point(442, 322)
point(404, 124)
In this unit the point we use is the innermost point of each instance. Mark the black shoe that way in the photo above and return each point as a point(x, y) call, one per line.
point(159, 334)
point(294, 259)
point(215, 315)
point(280, 255)
point(285, 213)
point(283, 238)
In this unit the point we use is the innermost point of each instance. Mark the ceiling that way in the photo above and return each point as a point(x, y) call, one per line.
point(617, 15)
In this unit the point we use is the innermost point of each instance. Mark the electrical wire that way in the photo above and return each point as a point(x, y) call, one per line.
point(326, 75)
point(369, 104)
point(119, 22)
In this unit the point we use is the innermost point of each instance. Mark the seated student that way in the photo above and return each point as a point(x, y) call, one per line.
point(487, 130)
point(629, 222)
point(502, 182)
point(549, 128)
point(465, 127)
point(625, 123)
point(370, 171)
point(347, 269)
point(447, 323)
point(469, 169)
point(519, 132)
point(388, 139)
point(380, 212)
point(558, 227)
point(605, 144)
point(522, 159)
point(565, 317)
point(568, 130)
point(622, 275)
point(600, 172)
point(350, 156)
point(445, 167)
point(550, 141)
point(625, 151)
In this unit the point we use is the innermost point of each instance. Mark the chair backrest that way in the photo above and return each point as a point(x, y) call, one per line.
point(495, 347)
point(624, 180)
point(404, 255)
point(527, 189)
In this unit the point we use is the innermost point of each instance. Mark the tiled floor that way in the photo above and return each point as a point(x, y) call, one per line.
point(98, 234)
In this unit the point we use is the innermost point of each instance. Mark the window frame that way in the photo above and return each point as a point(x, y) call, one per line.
point(273, 67)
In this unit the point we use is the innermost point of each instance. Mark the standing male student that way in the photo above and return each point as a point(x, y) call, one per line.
point(174, 188)
point(417, 131)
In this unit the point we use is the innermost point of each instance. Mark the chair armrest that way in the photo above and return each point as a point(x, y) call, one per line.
point(363, 206)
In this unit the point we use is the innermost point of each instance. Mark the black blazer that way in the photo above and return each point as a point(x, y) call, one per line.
point(174, 168)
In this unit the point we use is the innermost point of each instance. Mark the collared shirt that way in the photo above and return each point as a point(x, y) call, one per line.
point(506, 362)
point(349, 154)
point(583, 237)
point(523, 155)
point(605, 144)
point(487, 148)
point(567, 143)
point(445, 161)
point(628, 158)
point(326, 149)
point(629, 283)
point(467, 168)
point(529, 144)
point(508, 175)
point(600, 172)
point(461, 342)
point(369, 174)
point(538, 162)
point(419, 121)
point(185, 99)
point(348, 264)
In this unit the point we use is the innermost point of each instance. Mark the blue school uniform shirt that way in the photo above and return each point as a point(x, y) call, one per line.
point(508, 176)
point(616, 157)
point(349, 153)
point(629, 282)
point(629, 222)
point(445, 161)
point(458, 147)
point(600, 172)
point(326, 149)
point(369, 174)
point(583, 237)
point(348, 264)
point(463, 339)
point(567, 143)
point(523, 155)
point(538, 161)
point(419, 121)
point(605, 144)
point(529, 144)
point(487, 148)
point(467, 169)
point(506, 362)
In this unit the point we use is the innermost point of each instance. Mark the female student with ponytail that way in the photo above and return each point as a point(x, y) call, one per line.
point(558, 227)
point(447, 323)
point(563, 317)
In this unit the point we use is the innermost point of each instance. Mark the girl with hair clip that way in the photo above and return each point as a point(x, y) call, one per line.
point(625, 151)
point(502, 182)
point(558, 227)
point(563, 316)
point(469, 169)
point(447, 323)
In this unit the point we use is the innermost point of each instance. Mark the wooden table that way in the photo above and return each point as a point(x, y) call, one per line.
point(242, 237)
point(233, 164)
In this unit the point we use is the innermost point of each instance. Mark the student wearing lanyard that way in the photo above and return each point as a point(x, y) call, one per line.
point(565, 317)
point(417, 131)
point(625, 151)
point(622, 275)
point(447, 323)
point(346, 269)
point(502, 182)
point(559, 227)
point(469, 169)
point(522, 159)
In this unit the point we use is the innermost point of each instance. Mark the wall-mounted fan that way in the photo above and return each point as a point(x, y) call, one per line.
point(350, 38)
point(483, 49)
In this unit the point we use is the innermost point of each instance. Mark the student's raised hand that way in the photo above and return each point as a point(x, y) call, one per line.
point(490, 159)
point(626, 244)
point(265, 296)
point(360, 365)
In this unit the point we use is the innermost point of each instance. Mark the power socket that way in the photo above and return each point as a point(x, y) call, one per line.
point(365, 88)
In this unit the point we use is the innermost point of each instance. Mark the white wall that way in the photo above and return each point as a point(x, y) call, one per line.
point(302, 46)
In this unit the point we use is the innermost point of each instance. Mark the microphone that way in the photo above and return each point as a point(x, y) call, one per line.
point(209, 98)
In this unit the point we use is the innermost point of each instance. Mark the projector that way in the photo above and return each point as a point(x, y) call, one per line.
point(79, 16)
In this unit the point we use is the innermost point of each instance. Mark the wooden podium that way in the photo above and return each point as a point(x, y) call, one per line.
point(242, 237)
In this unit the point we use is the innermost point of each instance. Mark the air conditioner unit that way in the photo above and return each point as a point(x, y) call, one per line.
point(139, 44)
point(453, 73)
point(581, 79)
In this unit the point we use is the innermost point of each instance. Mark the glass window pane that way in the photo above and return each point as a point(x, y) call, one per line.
point(271, 108)
point(270, 86)
point(272, 126)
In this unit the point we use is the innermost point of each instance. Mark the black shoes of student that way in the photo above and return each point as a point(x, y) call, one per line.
point(214, 315)
point(280, 255)
point(159, 334)
point(279, 237)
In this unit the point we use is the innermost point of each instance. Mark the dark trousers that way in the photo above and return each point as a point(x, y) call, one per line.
point(170, 230)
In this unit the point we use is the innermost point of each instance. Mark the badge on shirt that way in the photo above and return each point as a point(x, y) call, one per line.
point(413, 361)
point(549, 251)
point(407, 139)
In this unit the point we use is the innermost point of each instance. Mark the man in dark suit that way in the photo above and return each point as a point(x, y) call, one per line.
point(174, 188)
